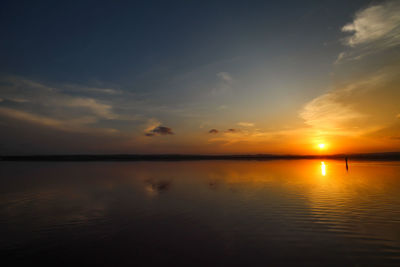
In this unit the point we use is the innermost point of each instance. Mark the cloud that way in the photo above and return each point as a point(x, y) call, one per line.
point(252, 137)
point(373, 29)
point(48, 106)
point(225, 76)
point(222, 107)
point(58, 103)
point(213, 131)
point(338, 111)
point(375, 23)
point(388, 131)
point(160, 130)
point(71, 125)
point(246, 124)
point(327, 112)
point(152, 124)
point(99, 109)
point(225, 83)
point(340, 57)
point(18, 100)
point(92, 90)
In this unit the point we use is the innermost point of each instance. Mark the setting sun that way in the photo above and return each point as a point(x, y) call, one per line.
point(321, 146)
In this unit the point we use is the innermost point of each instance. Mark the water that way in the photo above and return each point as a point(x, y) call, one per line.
point(299, 212)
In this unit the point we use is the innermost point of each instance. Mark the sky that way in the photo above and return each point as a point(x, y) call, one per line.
point(199, 77)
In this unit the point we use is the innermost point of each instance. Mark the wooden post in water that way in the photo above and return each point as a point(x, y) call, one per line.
point(347, 166)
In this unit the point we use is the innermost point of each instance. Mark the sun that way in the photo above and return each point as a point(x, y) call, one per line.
point(321, 146)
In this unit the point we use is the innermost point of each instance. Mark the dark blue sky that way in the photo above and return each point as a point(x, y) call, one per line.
point(119, 41)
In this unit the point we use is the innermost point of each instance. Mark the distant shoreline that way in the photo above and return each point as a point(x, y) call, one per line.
point(392, 156)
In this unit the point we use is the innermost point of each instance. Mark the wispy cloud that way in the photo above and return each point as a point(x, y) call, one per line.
point(375, 23)
point(225, 76)
point(95, 90)
point(231, 130)
point(18, 100)
point(70, 125)
point(55, 106)
point(340, 57)
point(245, 124)
point(328, 113)
point(335, 112)
point(254, 137)
point(373, 29)
point(222, 107)
point(99, 109)
point(225, 83)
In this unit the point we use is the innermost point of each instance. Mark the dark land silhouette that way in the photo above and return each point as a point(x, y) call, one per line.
point(184, 157)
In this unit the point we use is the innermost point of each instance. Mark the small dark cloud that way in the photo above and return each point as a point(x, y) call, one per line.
point(231, 130)
point(213, 131)
point(160, 130)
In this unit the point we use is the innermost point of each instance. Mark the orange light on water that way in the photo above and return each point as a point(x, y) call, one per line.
point(323, 168)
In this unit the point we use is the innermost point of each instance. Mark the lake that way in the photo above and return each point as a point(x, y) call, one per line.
point(207, 213)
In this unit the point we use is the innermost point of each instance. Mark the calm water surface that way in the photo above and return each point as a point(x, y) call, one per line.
point(300, 212)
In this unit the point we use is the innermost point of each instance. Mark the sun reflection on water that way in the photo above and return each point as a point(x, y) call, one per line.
point(323, 168)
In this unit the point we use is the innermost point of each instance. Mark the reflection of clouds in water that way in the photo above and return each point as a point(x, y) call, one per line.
point(213, 185)
point(155, 187)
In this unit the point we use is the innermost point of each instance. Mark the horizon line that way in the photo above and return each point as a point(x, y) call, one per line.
point(182, 157)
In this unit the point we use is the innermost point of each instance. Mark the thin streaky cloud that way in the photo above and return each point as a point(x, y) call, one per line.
point(332, 111)
point(102, 110)
point(225, 76)
point(58, 100)
point(373, 29)
point(225, 83)
point(246, 124)
point(73, 125)
point(378, 22)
